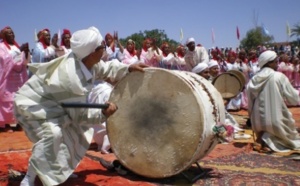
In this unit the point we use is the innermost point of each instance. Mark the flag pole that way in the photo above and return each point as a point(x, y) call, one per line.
point(238, 35)
point(181, 36)
point(213, 37)
point(288, 31)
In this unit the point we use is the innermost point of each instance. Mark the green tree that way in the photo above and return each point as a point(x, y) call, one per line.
point(158, 35)
point(255, 37)
point(296, 30)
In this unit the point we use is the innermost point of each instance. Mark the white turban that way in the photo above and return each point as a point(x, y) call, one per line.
point(84, 42)
point(199, 68)
point(266, 57)
point(191, 39)
point(212, 63)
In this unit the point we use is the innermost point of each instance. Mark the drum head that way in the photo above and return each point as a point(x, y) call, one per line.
point(158, 125)
point(228, 84)
point(240, 75)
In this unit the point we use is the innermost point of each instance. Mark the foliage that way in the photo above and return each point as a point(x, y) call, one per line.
point(158, 35)
point(256, 37)
point(296, 30)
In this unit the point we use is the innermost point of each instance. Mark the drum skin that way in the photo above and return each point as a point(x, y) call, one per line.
point(230, 83)
point(240, 75)
point(164, 121)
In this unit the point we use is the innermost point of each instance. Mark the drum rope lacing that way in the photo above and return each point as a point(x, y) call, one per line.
point(222, 131)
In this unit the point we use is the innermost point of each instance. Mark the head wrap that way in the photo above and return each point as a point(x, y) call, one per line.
point(199, 68)
point(130, 41)
point(132, 53)
point(180, 52)
point(145, 44)
point(164, 44)
point(84, 42)
point(42, 38)
point(266, 57)
point(191, 39)
point(65, 32)
point(3, 37)
point(212, 63)
point(107, 36)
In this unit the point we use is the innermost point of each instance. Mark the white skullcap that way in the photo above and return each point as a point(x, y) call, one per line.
point(191, 39)
point(266, 57)
point(200, 67)
point(212, 63)
point(84, 42)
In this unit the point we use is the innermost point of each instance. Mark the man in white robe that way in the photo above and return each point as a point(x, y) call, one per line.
point(271, 120)
point(61, 136)
point(195, 54)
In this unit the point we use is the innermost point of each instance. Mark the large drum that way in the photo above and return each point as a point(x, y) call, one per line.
point(164, 121)
point(230, 83)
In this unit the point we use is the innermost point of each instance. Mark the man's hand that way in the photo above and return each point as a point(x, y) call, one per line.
point(25, 48)
point(112, 108)
point(137, 67)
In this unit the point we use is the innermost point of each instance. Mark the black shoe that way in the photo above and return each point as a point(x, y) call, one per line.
point(14, 175)
point(108, 165)
point(121, 170)
point(114, 166)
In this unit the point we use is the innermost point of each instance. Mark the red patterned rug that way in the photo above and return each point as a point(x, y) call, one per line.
point(238, 169)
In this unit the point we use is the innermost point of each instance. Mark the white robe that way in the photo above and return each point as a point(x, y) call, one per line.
point(193, 58)
point(100, 94)
point(267, 92)
point(61, 136)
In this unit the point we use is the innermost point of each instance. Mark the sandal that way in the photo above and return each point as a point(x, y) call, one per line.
point(257, 146)
point(266, 150)
point(14, 175)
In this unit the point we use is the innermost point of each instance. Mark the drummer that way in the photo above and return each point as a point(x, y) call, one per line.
point(61, 136)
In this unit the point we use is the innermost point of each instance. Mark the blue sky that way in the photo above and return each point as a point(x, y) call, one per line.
point(197, 18)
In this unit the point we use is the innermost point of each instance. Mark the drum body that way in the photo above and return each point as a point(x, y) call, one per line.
point(230, 83)
point(164, 121)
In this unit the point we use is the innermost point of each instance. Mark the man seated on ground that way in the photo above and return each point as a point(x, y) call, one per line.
point(214, 69)
point(271, 119)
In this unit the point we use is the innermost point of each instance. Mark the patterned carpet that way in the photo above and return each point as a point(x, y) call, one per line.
point(228, 164)
point(238, 169)
point(253, 169)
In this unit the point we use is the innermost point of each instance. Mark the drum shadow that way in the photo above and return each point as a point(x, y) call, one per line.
point(87, 174)
point(242, 144)
point(186, 177)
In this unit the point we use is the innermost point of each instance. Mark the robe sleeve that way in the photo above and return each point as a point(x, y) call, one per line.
point(111, 71)
point(18, 66)
point(290, 94)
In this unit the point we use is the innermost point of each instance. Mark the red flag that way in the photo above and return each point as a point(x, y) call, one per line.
point(238, 33)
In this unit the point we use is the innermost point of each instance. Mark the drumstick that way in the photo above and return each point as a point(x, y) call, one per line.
point(85, 105)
